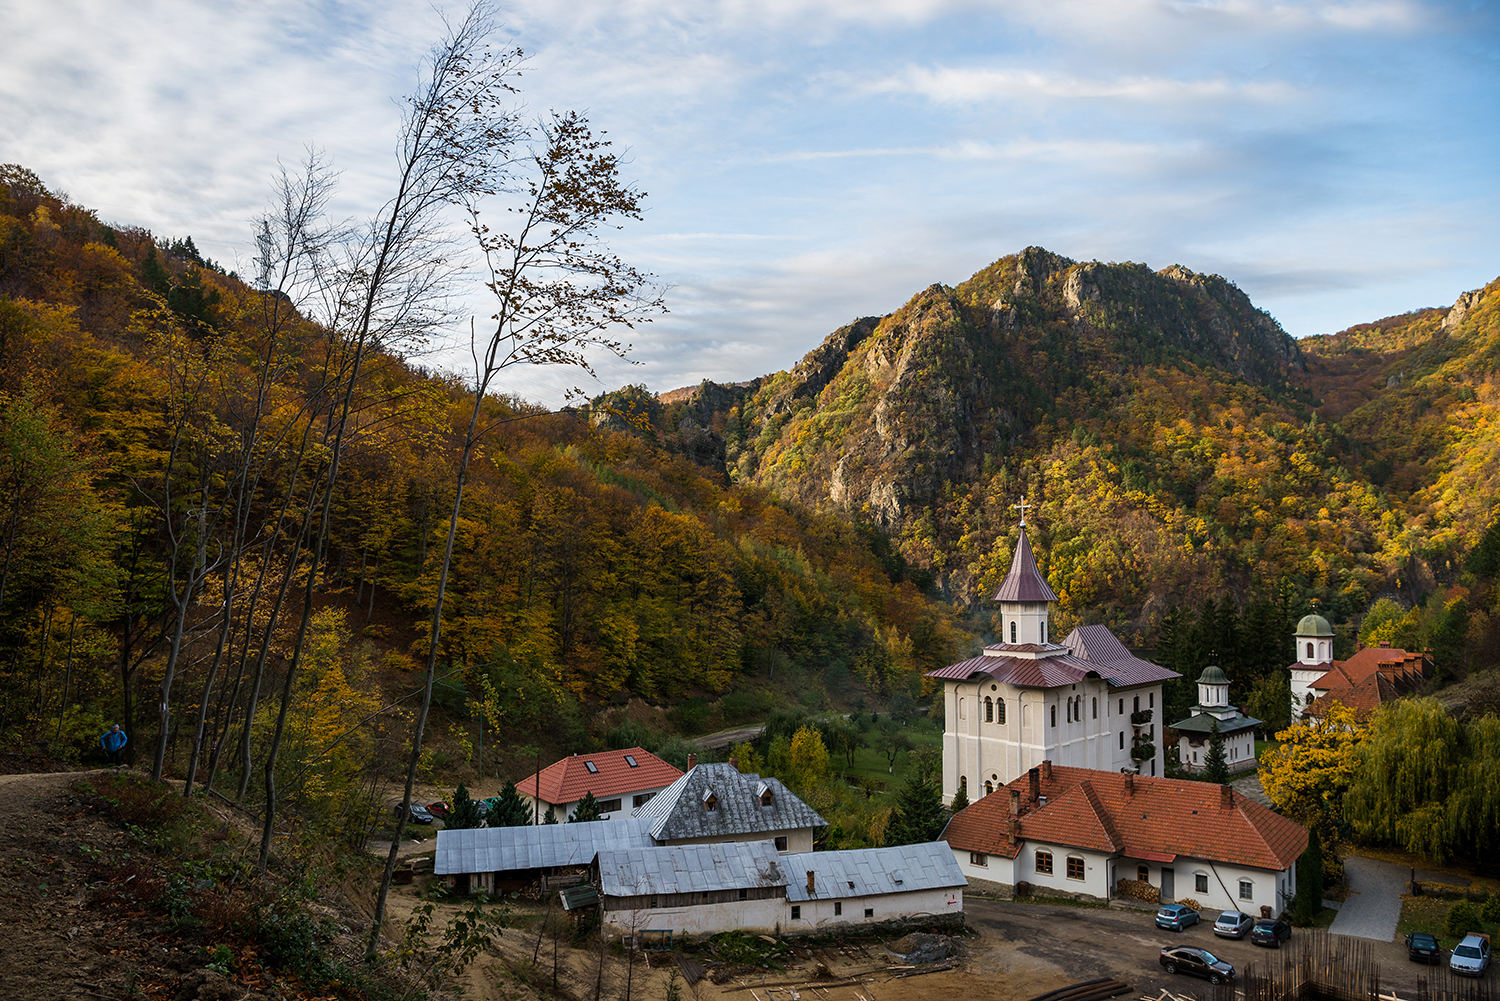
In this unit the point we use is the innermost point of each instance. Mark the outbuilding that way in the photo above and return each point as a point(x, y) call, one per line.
point(858, 886)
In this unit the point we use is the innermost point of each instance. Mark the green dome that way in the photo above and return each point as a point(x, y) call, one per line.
point(1314, 625)
point(1212, 676)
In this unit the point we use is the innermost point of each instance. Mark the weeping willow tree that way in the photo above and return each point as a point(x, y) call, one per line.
point(1427, 783)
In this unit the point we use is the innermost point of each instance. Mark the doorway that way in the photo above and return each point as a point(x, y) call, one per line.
point(1168, 887)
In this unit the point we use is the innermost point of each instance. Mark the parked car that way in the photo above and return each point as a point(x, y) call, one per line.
point(1471, 956)
point(1175, 917)
point(1198, 962)
point(439, 809)
point(417, 815)
point(1270, 931)
point(1423, 948)
point(1233, 924)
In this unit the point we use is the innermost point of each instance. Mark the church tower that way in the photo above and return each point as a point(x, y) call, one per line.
point(1025, 598)
point(1314, 653)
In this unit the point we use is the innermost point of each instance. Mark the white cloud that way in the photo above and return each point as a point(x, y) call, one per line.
point(970, 84)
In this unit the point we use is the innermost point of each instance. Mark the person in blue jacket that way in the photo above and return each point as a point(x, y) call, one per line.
point(113, 741)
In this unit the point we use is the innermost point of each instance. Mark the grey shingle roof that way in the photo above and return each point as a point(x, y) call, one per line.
point(499, 849)
point(872, 871)
point(680, 810)
point(1204, 723)
point(728, 865)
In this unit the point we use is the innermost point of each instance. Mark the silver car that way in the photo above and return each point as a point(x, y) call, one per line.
point(1233, 924)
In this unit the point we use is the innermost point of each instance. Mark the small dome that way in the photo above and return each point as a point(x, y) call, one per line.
point(1212, 676)
point(1314, 625)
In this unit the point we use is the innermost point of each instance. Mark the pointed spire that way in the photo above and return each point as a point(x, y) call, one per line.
point(1024, 582)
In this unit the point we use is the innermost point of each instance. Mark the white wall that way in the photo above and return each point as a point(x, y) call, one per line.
point(562, 811)
point(762, 915)
point(885, 907)
point(1268, 888)
point(1239, 752)
point(1002, 752)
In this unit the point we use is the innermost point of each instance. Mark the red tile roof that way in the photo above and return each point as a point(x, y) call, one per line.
point(567, 780)
point(1098, 811)
point(1373, 676)
point(1024, 582)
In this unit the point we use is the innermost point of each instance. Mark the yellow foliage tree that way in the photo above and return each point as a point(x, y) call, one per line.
point(1310, 771)
point(807, 758)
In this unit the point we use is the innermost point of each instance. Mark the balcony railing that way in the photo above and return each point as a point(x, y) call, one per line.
point(1140, 718)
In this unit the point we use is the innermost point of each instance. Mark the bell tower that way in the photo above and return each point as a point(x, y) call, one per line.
point(1024, 597)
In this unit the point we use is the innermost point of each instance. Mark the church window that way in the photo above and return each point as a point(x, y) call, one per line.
point(1309, 651)
point(1151, 700)
point(1012, 630)
point(963, 712)
point(989, 787)
point(1122, 707)
point(1070, 711)
point(1122, 740)
point(1096, 708)
point(1044, 630)
point(1136, 705)
point(963, 784)
point(1054, 715)
point(1310, 697)
point(989, 710)
point(999, 710)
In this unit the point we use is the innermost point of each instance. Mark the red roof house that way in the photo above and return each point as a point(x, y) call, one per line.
point(621, 781)
point(1079, 832)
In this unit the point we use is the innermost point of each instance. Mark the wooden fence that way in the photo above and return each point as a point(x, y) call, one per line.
point(1316, 966)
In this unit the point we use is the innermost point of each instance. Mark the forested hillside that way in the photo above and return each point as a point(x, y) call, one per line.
point(165, 428)
point(1173, 441)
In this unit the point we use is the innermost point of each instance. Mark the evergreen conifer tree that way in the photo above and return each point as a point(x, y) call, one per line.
point(587, 809)
point(920, 815)
point(1215, 767)
point(960, 800)
point(464, 813)
point(1310, 879)
point(549, 817)
point(509, 809)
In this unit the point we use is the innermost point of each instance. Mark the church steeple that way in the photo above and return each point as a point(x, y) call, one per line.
point(1024, 596)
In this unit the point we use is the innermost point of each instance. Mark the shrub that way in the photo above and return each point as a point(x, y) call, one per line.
point(1461, 919)
point(1490, 909)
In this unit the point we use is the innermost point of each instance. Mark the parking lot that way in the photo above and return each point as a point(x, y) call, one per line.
point(1085, 943)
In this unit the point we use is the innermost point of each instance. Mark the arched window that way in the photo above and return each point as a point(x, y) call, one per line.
point(1012, 630)
point(999, 710)
point(1044, 630)
point(1070, 711)
point(1136, 706)
point(989, 787)
point(1309, 651)
point(963, 784)
point(1096, 707)
point(1054, 715)
point(989, 710)
point(962, 711)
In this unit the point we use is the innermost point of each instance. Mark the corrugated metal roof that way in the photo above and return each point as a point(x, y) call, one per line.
point(865, 872)
point(731, 865)
point(681, 809)
point(501, 849)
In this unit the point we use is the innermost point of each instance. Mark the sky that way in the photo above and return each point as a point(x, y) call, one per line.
point(811, 161)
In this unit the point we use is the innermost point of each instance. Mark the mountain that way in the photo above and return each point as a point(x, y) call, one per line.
point(1171, 440)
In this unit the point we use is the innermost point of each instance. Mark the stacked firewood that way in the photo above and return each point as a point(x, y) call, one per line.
point(1138, 889)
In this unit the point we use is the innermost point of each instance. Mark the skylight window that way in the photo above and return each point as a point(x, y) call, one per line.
point(630, 760)
point(593, 768)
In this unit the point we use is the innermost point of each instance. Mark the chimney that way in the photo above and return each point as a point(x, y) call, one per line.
point(1015, 802)
point(734, 763)
point(1130, 783)
point(1036, 784)
point(1385, 644)
point(1013, 830)
point(1226, 798)
point(1047, 769)
point(692, 761)
point(809, 882)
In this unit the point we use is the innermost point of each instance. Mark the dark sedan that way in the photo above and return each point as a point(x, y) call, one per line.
point(1423, 948)
point(1198, 962)
point(1270, 931)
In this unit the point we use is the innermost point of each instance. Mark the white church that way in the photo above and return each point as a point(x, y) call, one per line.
point(1086, 702)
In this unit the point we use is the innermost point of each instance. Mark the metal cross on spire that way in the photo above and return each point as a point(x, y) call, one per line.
point(1023, 506)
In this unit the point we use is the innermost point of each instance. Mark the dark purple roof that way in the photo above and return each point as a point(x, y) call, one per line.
point(1042, 672)
point(1097, 645)
point(1025, 581)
